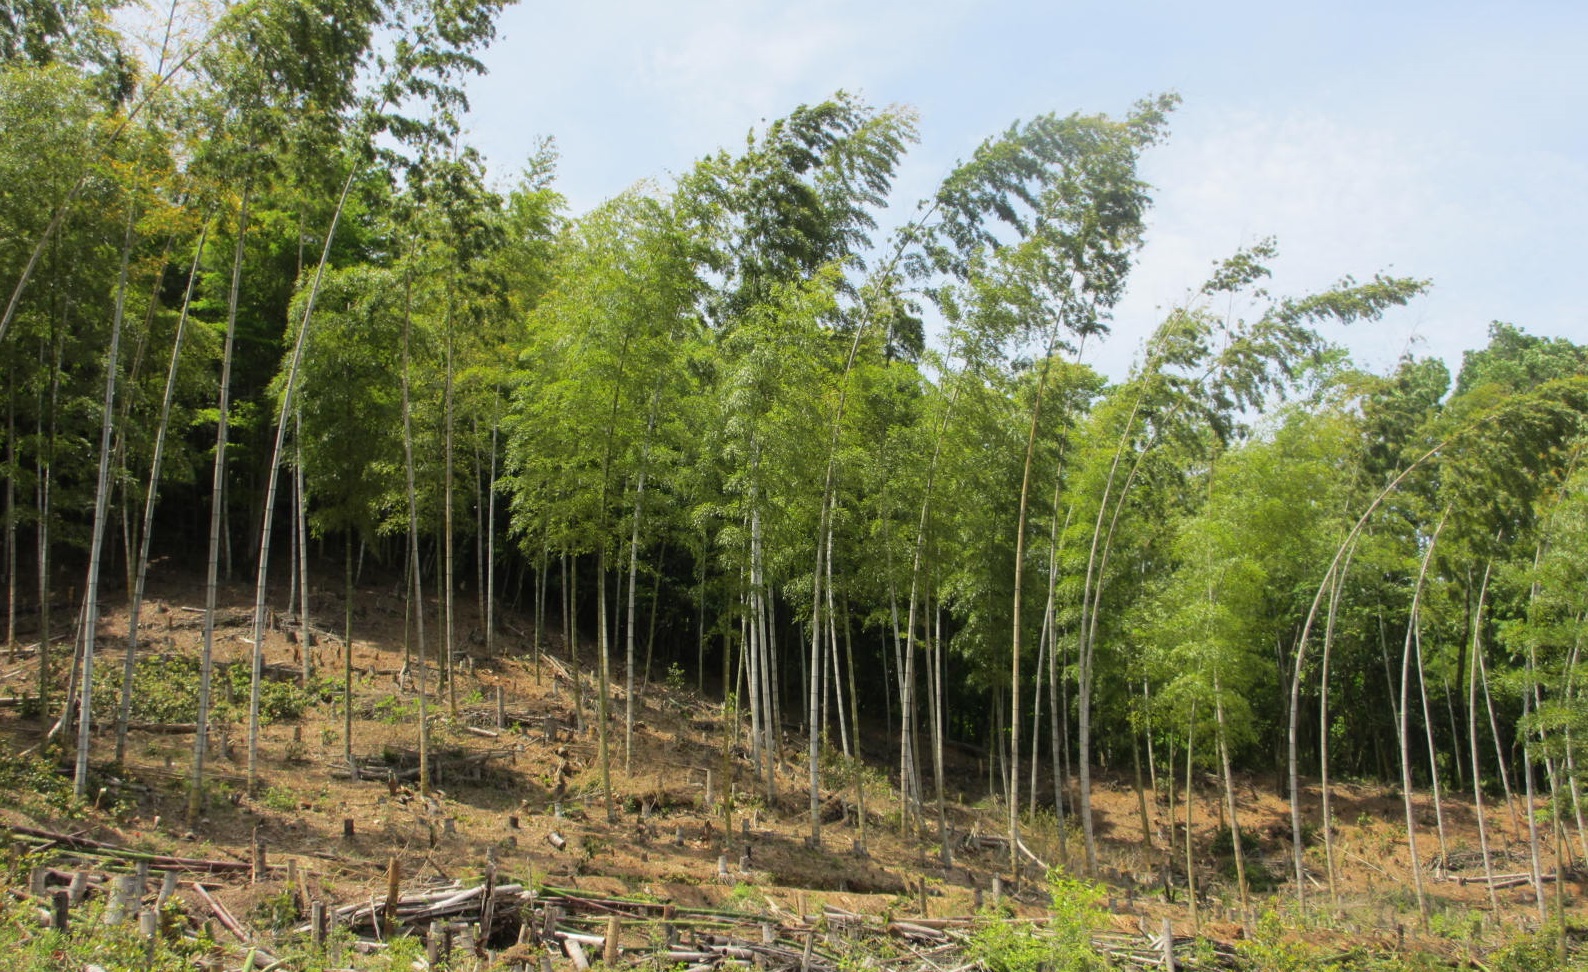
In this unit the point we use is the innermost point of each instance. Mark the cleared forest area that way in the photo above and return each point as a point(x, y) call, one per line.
point(695, 864)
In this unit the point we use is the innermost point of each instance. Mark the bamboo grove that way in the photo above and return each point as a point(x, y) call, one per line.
point(848, 469)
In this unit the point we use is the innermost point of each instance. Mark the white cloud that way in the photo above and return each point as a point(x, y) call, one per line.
point(1431, 148)
point(1356, 199)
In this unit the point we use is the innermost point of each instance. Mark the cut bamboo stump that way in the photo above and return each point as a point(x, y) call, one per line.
point(167, 888)
point(609, 951)
point(257, 871)
point(393, 887)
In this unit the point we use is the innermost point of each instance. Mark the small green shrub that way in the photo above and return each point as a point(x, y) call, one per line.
point(393, 710)
point(1065, 945)
point(276, 912)
point(403, 953)
point(675, 681)
point(278, 701)
point(35, 783)
point(280, 799)
point(1271, 949)
point(1531, 954)
point(745, 896)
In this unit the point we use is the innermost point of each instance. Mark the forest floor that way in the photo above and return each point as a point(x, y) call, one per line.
point(528, 797)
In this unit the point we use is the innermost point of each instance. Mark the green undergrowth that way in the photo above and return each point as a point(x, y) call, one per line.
point(1063, 943)
point(28, 945)
point(165, 689)
point(1282, 943)
point(89, 941)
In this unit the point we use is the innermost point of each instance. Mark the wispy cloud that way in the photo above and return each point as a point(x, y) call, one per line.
point(1432, 146)
point(1348, 198)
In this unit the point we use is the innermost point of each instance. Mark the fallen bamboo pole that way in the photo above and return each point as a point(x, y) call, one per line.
point(84, 845)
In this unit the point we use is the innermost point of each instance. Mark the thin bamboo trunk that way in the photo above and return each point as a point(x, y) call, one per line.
point(1229, 800)
point(1139, 785)
point(542, 581)
point(1499, 751)
point(1472, 740)
point(1056, 704)
point(1572, 696)
point(832, 639)
point(1530, 694)
point(1016, 624)
point(216, 502)
point(771, 691)
point(417, 586)
point(700, 616)
point(604, 674)
point(752, 642)
point(650, 632)
point(824, 545)
point(1537, 873)
point(12, 469)
point(1050, 642)
point(1433, 753)
point(1057, 723)
point(1190, 799)
point(895, 638)
point(572, 581)
point(73, 678)
point(272, 476)
point(347, 658)
point(858, 764)
point(815, 671)
point(42, 497)
point(449, 666)
point(292, 548)
point(1036, 715)
point(1404, 733)
point(1146, 733)
point(151, 497)
point(771, 718)
point(480, 533)
point(305, 632)
point(1337, 590)
point(634, 573)
point(1092, 603)
point(935, 659)
point(490, 560)
point(101, 511)
point(132, 532)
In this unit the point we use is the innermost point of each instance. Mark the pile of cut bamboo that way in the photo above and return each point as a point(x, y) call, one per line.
point(522, 927)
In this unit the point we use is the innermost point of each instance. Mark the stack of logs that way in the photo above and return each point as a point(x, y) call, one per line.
point(536, 924)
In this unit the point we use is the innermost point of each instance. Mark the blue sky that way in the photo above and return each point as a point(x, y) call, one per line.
point(1446, 141)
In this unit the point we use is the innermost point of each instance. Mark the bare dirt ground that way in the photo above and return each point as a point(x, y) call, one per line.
point(529, 796)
